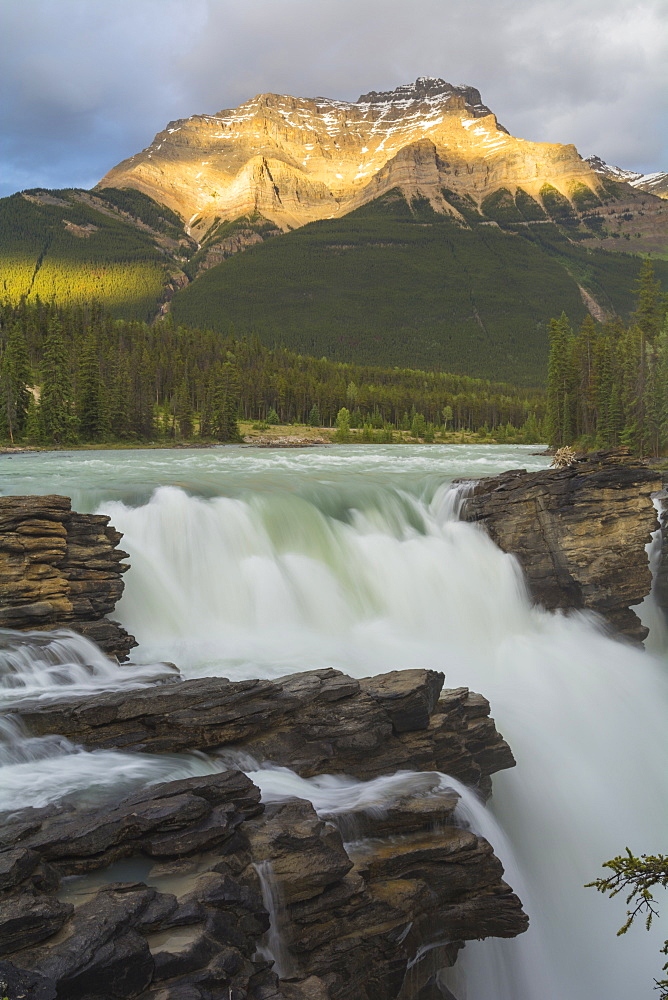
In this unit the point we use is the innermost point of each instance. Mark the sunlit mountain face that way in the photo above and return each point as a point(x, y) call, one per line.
point(295, 160)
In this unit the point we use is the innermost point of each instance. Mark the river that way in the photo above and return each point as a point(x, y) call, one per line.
point(249, 562)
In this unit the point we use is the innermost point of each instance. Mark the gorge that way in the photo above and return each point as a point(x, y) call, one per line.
point(334, 588)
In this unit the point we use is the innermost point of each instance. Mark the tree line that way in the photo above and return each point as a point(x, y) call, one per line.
point(608, 383)
point(76, 374)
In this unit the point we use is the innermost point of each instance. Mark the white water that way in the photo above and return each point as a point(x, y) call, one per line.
point(59, 663)
point(348, 558)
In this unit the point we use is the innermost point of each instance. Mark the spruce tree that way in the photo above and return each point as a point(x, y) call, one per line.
point(56, 420)
point(226, 403)
point(560, 383)
point(15, 376)
point(92, 408)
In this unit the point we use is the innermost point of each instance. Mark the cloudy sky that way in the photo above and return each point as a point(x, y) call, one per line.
point(86, 83)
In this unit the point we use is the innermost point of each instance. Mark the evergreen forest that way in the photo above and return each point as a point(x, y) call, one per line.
point(608, 383)
point(79, 375)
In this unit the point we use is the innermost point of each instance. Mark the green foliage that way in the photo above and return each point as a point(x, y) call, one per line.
point(637, 876)
point(529, 208)
point(141, 207)
point(56, 417)
point(129, 381)
point(556, 204)
point(342, 425)
point(15, 377)
point(584, 198)
point(56, 246)
point(608, 384)
point(347, 289)
point(501, 206)
point(92, 412)
point(225, 390)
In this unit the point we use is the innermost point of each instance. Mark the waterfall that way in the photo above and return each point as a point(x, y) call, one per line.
point(272, 946)
point(273, 583)
point(353, 558)
point(43, 664)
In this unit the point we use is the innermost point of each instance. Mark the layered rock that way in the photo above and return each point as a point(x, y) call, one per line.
point(349, 923)
point(59, 568)
point(579, 533)
point(294, 160)
point(320, 721)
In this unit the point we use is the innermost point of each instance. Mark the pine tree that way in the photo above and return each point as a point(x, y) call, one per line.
point(226, 403)
point(56, 419)
point(92, 408)
point(183, 413)
point(15, 376)
point(560, 383)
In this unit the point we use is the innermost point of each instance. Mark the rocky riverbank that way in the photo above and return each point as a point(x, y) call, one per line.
point(579, 533)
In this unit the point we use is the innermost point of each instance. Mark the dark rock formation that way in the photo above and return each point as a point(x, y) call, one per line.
point(182, 914)
point(352, 920)
point(320, 721)
point(60, 569)
point(579, 533)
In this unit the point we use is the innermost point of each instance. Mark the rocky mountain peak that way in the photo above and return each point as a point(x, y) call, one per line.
point(426, 88)
point(294, 160)
point(656, 183)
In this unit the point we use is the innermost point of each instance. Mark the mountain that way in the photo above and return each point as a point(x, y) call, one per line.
point(656, 183)
point(118, 247)
point(407, 228)
point(295, 160)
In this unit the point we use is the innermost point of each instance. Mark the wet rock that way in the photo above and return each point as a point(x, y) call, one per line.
point(162, 821)
point(60, 569)
point(579, 533)
point(408, 697)
point(21, 984)
point(319, 721)
point(306, 855)
point(16, 865)
point(27, 917)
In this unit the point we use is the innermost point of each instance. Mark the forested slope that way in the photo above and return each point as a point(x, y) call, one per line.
point(69, 246)
point(402, 284)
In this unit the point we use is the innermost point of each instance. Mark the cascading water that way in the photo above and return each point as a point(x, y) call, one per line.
point(51, 664)
point(352, 559)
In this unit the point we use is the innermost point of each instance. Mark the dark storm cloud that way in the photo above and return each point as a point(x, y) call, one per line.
point(86, 82)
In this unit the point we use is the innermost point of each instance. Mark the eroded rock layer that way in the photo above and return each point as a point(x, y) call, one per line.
point(364, 906)
point(319, 721)
point(294, 160)
point(60, 569)
point(579, 533)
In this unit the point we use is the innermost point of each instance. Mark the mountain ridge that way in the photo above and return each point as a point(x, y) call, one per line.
point(295, 160)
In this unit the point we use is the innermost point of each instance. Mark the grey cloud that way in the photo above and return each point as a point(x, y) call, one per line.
point(88, 83)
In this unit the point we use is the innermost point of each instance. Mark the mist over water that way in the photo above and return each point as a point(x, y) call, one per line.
point(255, 563)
